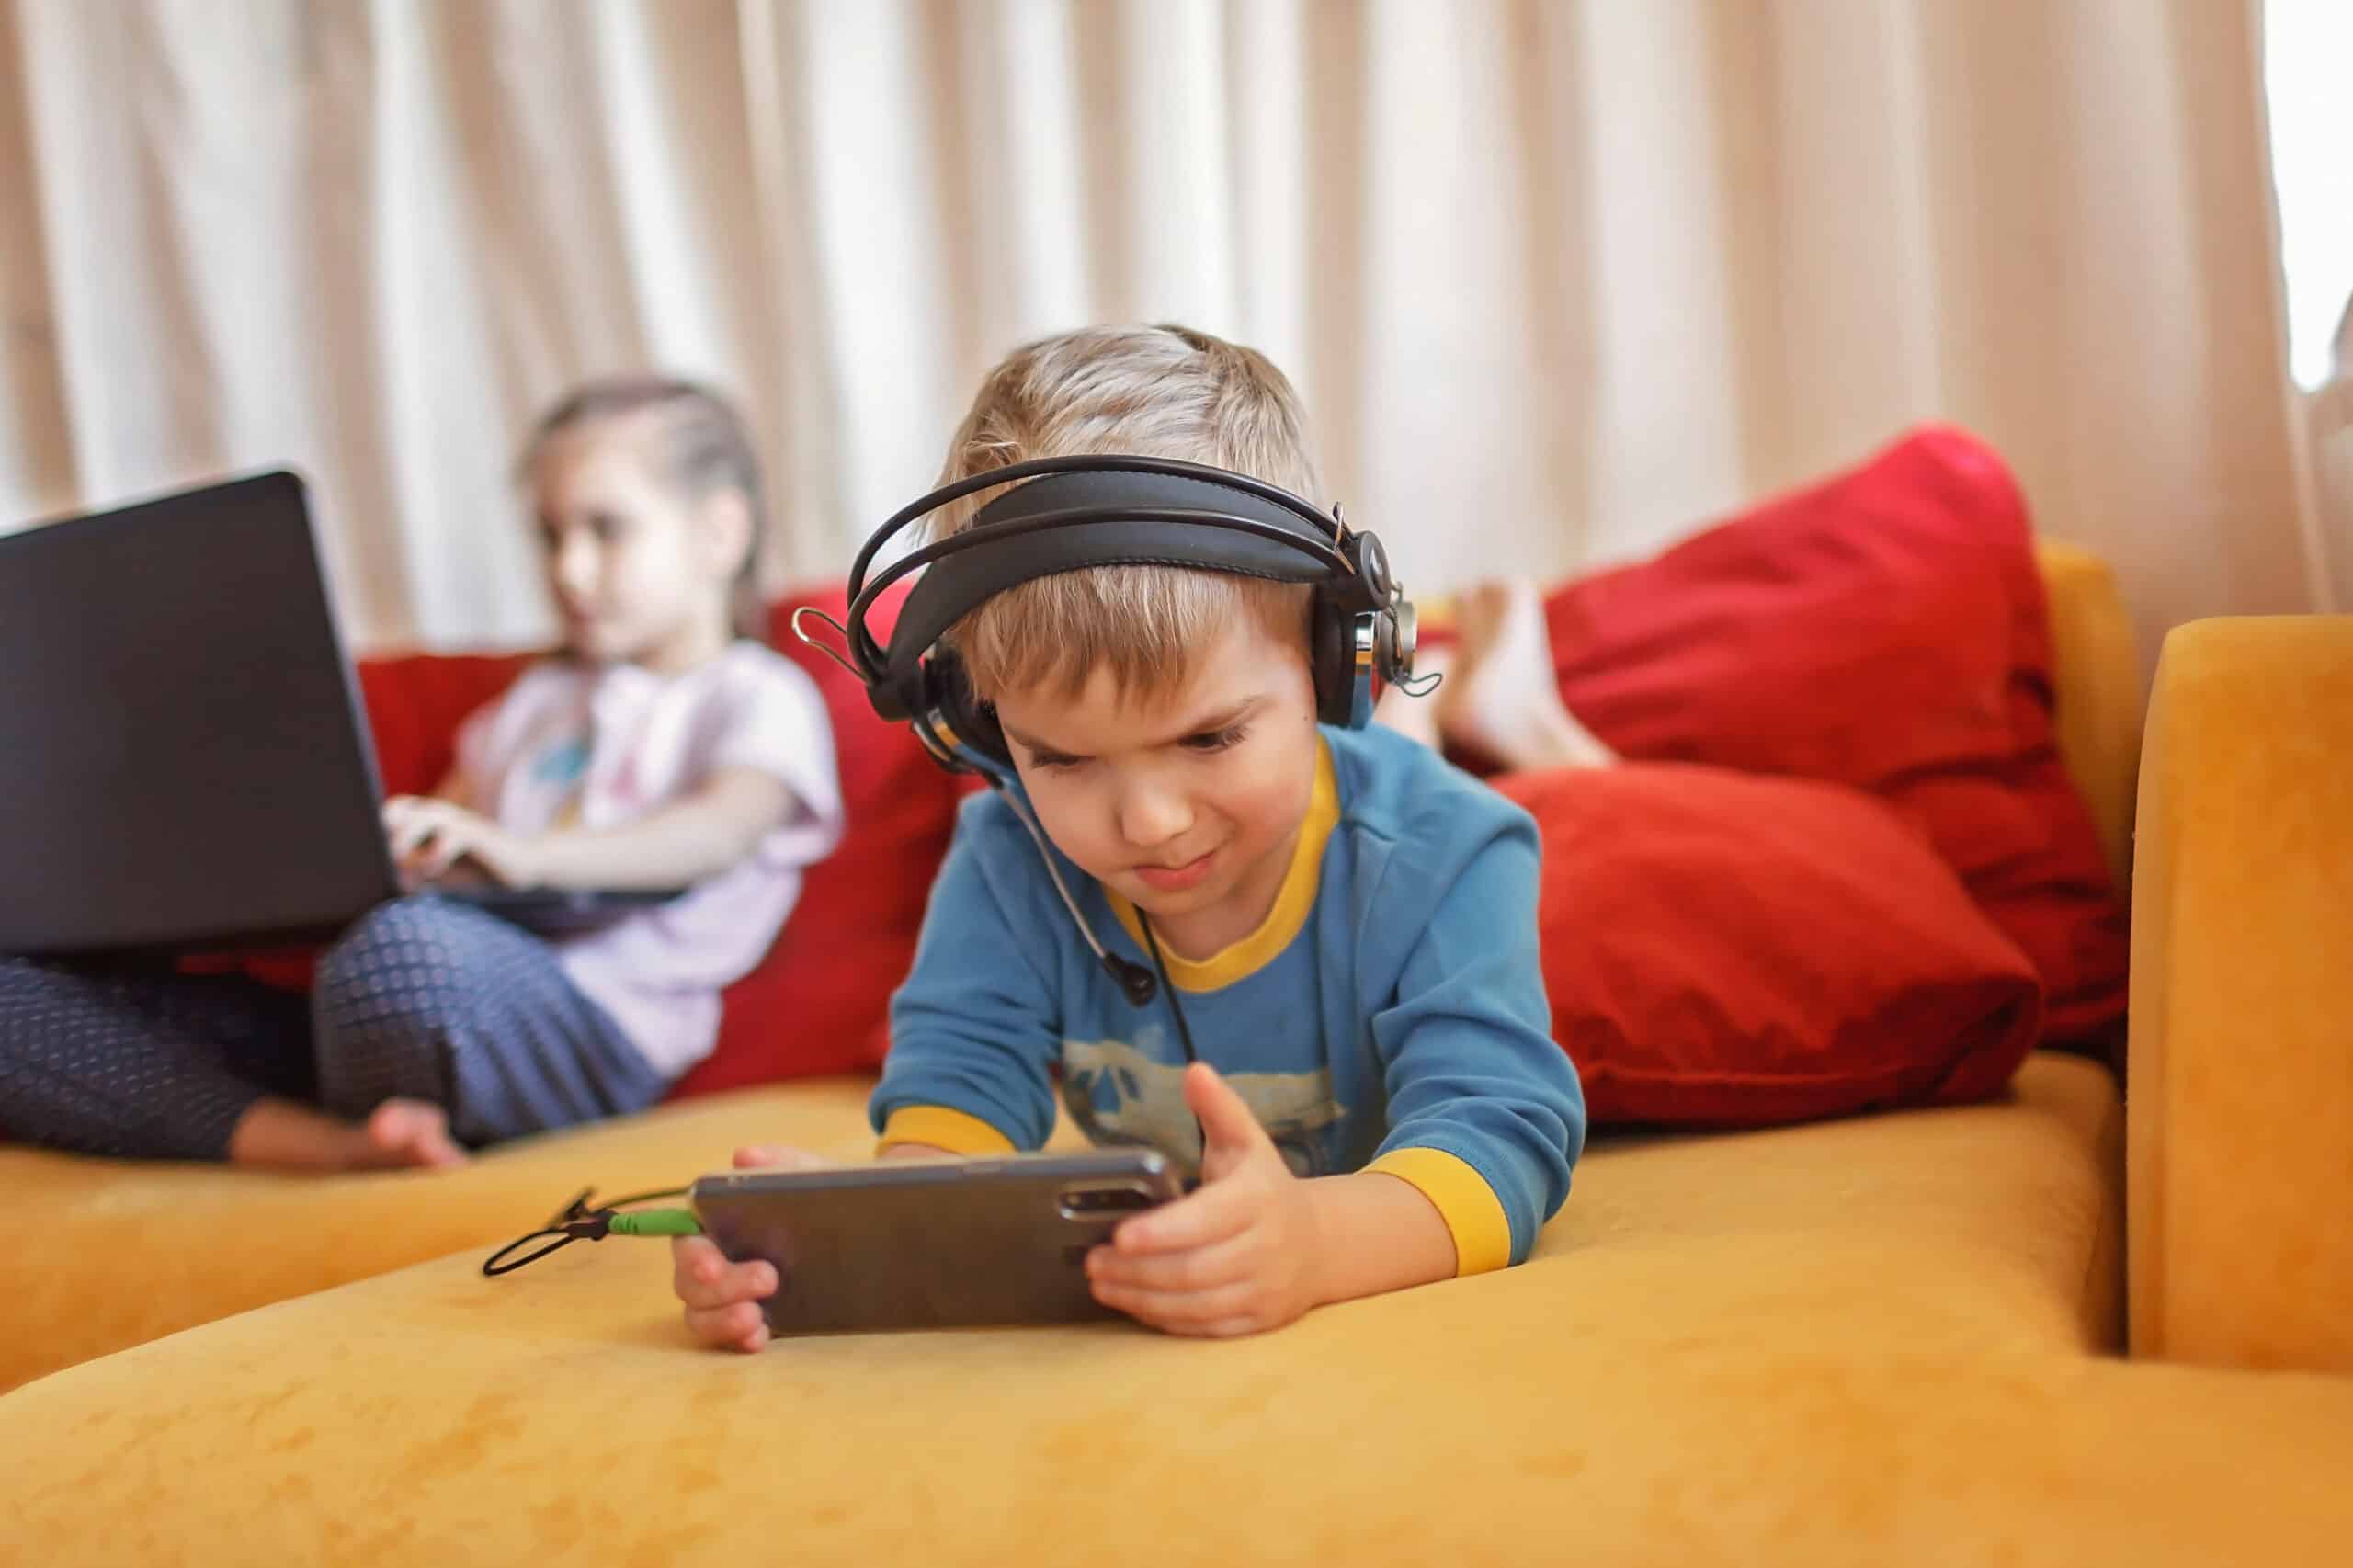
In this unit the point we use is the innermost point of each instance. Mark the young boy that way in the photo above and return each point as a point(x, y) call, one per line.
point(1349, 922)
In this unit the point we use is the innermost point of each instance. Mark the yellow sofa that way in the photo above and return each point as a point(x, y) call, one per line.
point(1892, 1339)
point(207, 1243)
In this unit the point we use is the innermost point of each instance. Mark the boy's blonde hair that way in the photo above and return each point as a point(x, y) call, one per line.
point(1164, 391)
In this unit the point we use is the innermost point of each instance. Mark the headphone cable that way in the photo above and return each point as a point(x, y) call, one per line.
point(1176, 1009)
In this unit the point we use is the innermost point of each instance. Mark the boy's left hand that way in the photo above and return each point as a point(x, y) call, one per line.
point(1240, 1255)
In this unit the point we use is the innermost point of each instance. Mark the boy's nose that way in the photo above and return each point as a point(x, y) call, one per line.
point(1150, 815)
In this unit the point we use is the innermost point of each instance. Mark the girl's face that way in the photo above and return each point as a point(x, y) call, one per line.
point(639, 572)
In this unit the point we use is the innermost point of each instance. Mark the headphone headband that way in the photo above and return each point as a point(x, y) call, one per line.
point(1096, 462)
point(1071, 522)
point(1116, 510)
point(1103, 510)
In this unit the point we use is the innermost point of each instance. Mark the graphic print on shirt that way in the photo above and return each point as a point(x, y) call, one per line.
point(561, 763)
point(1120, 1096)
point(564, 767)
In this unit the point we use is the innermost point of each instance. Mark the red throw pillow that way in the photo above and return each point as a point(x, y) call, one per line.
point(820, 1002)
point(1725, 949)
point(415, 703)
point(1884, 629)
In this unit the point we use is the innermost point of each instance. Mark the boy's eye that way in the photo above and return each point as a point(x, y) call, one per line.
point(1215, 740)
point(607, 526)
point(1053, 760)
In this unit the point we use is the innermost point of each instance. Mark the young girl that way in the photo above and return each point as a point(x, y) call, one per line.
point(664, 747)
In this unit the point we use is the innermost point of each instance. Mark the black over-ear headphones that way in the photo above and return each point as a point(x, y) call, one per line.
point(1114, 510)
point(1119, 510)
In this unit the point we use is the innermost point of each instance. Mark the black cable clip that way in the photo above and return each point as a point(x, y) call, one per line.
point(575, 1221)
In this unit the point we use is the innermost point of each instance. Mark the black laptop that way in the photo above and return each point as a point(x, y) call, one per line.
point(184, 764)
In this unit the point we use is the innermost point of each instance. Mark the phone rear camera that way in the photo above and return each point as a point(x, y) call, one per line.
point(1093, 1203)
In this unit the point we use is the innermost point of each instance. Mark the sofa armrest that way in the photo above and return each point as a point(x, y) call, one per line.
point(2240, 1100)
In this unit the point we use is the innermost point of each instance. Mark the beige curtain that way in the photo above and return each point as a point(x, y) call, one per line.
point(2328, 423)
point(1561, 280)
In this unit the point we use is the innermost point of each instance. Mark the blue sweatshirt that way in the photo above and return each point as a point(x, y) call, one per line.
point(1388, 1014)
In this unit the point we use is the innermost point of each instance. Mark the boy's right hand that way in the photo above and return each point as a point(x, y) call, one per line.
point(722, 1299)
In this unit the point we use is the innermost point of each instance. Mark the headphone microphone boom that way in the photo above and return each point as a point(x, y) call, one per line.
point(1135, 981)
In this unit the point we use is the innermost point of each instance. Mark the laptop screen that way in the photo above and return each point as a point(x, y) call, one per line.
point(183, 762)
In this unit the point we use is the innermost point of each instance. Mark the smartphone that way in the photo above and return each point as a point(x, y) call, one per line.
point(932, 1244)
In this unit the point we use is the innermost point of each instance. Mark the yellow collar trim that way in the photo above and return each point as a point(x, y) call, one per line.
point(1293, 900)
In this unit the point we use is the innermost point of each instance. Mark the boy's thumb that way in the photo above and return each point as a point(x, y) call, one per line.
point(1225, 1117)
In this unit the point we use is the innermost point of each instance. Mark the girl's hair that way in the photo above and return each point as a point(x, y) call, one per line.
point(1166, 392)
point(698, 444)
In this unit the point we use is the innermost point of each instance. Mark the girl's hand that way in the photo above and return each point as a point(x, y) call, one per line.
point(722, 1299)
point(430, 836)
point(1240, 1255)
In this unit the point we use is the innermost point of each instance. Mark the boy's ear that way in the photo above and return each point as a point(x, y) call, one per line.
point(724, 520)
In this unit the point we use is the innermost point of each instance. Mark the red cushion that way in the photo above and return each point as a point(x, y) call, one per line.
point(415, 703)
point(1709, 964)
point(1884, 629)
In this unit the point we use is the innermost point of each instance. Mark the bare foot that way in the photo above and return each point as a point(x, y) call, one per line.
point(412, 1133)
point(275, 1134)
point(1500, 699)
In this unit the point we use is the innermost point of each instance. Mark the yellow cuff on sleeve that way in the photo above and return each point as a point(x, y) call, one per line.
point(1473, 1212)
point(943, 1129)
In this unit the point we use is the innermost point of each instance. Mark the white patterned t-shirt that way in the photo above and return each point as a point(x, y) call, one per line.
point(591, 746)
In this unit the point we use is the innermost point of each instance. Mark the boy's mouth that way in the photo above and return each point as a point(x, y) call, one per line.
point(1176, 879)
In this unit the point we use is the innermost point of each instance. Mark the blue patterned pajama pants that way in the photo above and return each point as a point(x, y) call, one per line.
point(421, 998)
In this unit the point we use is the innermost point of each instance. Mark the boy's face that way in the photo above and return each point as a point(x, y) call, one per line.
point(1188, 807)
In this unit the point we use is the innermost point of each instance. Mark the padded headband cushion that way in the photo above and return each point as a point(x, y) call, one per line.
point(952, 587)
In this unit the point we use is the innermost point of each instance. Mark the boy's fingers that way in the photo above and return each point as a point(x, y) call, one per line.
point(739, 1326)
point(1231, 1328)
point(693, 1257)
point(1199, 1269)
point(1225, 1117)
point(1214, 1213)
point(701, 1282)
point(686, 1249)
point(1178, 1310)
point(775, 1157)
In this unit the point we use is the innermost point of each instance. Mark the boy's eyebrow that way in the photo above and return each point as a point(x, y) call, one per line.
point(1232, 714)
point(1026, 742)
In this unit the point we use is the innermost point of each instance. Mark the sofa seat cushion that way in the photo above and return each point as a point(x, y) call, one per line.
point(1864, 1341)
point(119, 1252)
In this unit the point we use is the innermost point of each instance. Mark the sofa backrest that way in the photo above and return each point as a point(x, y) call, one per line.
point(2098, 696)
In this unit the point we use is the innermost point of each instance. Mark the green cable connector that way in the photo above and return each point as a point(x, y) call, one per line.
point(658, 1222)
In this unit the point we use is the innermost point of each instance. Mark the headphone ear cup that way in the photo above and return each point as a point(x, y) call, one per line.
point(948, 693)
point(1394, 635)
point(1343, 693)
point(1331, 659)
